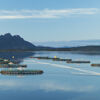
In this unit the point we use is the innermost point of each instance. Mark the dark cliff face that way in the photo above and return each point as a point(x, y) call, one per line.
point(8, 41)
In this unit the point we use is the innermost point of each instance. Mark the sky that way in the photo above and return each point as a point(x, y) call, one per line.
point(51, 20)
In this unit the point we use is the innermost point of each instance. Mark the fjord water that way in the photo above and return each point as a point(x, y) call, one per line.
point(60, 81)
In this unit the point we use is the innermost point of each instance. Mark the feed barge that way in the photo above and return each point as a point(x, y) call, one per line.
point(78, 62)
point(12, 66)
point(21, 72)
point(95, 65)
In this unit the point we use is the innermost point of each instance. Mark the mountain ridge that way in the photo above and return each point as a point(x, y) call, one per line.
point(8, 41)
point(74, 43)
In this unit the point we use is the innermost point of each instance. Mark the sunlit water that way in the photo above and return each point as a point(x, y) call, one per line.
point(60, 81)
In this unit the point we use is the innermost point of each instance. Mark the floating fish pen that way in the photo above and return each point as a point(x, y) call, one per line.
point(21, 72)
point(12, 66)
point(4, 62)
point(95, 65)
point(78, 61)
point(1, 59)
point(55, 59)
point(42, 57)
point(58, 59)
point(66, 59)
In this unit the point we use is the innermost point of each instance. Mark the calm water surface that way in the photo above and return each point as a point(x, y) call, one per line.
point(60, 81)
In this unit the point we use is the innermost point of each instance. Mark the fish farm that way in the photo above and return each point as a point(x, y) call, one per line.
point(5, 63)
point(61, 59)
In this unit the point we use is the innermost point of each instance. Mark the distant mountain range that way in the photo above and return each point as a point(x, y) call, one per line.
point(8, 41)
point(76, 43)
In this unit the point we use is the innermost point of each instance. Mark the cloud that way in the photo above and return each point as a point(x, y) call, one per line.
point(46, 13)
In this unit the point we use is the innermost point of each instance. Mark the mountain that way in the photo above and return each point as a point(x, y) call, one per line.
point(75, 43)
point(15, 42)
point(8, 41)
point(81, 49)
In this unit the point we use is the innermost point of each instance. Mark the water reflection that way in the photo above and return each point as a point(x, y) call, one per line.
point(57, 83)
point(65, 84)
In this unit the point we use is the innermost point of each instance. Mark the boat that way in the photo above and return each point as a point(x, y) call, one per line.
point(21, 72)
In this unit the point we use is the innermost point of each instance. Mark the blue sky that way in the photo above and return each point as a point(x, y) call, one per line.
point(51, 20)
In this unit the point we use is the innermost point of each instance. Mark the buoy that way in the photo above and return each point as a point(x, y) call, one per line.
point(13, 57)
point(55, 56)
